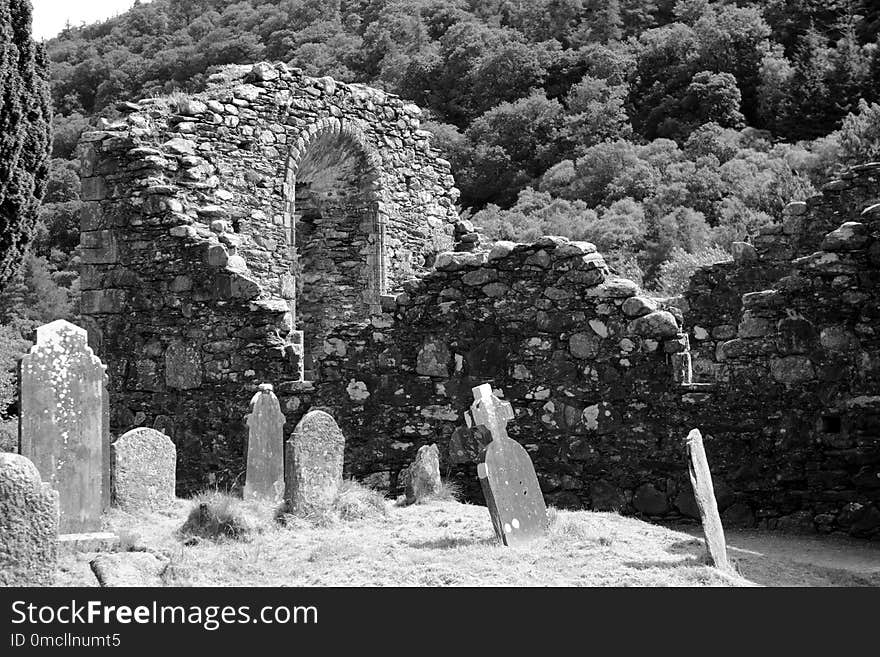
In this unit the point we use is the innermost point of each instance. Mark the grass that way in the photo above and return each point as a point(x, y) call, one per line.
point(446, 543)
point(449, 491)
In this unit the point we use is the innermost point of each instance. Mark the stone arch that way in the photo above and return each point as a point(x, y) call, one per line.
point(336, 218)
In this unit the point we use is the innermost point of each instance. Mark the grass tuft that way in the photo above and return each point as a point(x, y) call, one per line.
point(355, 501)
point(218, 515)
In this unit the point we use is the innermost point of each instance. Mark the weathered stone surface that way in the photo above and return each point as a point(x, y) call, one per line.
point(28, 524)
point(584, 345)
point(743, 252)
point(64, 426)
point(433, 359)
point(423, 475)
point(468, 444)
point(851, 236)
point(144, 464)
point(657, 324)
point(638, 306)
point(507, 475)
point(704, 493)
point(129, 569)
point(605, 496)
point(314, 464)
point(183, 366)
point(792, 369)
point(265, 454)
point(649, 500)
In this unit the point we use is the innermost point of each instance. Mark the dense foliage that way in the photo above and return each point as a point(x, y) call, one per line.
point(672, 123)
point(24, 132)
point(662, 130)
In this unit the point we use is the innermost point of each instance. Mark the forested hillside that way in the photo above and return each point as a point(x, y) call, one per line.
point(662, 130)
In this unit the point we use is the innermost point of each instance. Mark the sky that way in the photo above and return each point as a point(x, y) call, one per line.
point(50, 16)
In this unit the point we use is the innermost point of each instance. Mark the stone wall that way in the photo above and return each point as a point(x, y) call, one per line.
point(594, 373)
point(713, 301)
point(278, 220)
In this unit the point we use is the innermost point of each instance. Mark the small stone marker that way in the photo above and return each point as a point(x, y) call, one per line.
point(144, 463)
point(422, 478)
point(314, 464)
point(129, 569)
point(265, 456)
point(507, 475)
point(28, 524)
point(65, 423)
point(701, 480)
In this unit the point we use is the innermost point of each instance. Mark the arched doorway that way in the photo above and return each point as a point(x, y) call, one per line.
point(337, 237)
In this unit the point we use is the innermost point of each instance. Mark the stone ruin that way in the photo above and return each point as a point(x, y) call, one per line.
point(301, 231)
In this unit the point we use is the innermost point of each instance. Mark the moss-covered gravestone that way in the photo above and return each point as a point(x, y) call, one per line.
point(507, 475)
point(314, 464)
point(28, 524)
point(64, 424)
point(144, 464)
point(265, 454)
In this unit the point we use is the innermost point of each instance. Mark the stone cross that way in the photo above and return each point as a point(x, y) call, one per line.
point(313, 472)
point(64, 423)
point(144, 464)
point(507, 476)
point(265, 455)
point(701, 480)
point(28, 524)
point(490, 411)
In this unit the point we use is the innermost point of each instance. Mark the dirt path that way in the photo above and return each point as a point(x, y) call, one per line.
point(776, 559)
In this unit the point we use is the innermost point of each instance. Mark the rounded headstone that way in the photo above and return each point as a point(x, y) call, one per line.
point(314, 464)
point(28, 524)
point(144, 463)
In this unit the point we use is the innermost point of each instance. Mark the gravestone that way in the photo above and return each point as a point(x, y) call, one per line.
point(422, 477)
point(144, 464)
point(704, 493)
point(314, 464)
point(64, 423)
point(265, 455)
point(28, 524)
point(507, 475)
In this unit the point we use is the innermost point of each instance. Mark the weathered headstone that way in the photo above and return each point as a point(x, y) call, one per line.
point(314, 464)
point(28, 524)
point(265, 455)
point(704, 493)
point(144, 464)
point(507, 475)
point(422, 478)
point(64, 423)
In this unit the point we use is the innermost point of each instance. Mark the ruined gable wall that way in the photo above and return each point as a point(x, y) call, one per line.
point(188, 219)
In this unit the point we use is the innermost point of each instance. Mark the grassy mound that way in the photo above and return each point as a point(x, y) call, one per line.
point(218, 515)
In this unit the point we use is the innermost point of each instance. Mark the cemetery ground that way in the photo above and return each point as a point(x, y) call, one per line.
point(447, 543)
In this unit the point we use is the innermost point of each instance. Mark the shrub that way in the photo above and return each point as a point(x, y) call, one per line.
point(675, 273)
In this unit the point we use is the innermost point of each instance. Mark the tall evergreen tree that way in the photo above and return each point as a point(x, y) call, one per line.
point(808, 107)
point(25, 119)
